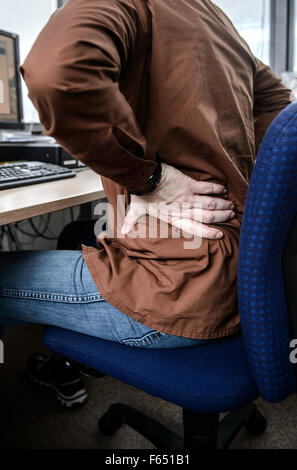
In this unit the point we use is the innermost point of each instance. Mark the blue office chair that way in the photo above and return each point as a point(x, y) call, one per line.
point(231, 373)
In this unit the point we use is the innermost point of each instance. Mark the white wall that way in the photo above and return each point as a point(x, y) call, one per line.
point(26, 18)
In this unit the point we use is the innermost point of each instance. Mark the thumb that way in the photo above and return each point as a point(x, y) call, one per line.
point(132, 217)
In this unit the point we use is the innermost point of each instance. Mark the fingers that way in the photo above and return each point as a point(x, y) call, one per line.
point(203, 203)
point(135, 213)
point(200, 215)
point(207, 202)
point(196, 228)
point(202, 187)
point(189, 219)
point(212, 217)
point(213, 203)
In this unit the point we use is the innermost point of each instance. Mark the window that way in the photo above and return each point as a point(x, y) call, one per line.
point(252, 20)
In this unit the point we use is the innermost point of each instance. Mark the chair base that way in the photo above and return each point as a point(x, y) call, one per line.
point(201, 430)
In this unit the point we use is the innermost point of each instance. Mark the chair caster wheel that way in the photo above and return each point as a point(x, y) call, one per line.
point(109, 423)
point(256, 423)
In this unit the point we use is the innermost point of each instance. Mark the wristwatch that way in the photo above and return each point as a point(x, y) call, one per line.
point(152, 183)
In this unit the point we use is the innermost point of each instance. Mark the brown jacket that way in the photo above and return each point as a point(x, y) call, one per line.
point(120, 82)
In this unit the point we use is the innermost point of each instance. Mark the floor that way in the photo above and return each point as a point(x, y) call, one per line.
point(32, 419)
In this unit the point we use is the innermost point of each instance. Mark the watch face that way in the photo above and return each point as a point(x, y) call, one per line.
point(151, 183)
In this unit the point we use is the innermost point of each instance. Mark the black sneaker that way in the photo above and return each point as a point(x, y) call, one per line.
point(59, 374)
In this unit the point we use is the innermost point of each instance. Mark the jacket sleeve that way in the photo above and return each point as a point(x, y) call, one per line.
point(73, 72)
point(270, 97)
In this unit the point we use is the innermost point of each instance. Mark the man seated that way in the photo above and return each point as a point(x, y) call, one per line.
point(167, 103)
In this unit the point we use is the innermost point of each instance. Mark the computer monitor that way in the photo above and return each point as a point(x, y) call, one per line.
point(11, 105)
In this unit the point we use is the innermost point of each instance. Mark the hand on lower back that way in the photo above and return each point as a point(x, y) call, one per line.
point(183, 202)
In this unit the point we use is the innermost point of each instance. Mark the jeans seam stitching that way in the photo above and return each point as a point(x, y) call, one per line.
point(50, 296)
point(148, 338)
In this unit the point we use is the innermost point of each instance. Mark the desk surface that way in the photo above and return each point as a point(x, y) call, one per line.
point(38, 199)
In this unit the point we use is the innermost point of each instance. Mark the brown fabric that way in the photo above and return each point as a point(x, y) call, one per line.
point(120, 82)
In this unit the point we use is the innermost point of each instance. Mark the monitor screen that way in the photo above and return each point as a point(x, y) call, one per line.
point(10, 90)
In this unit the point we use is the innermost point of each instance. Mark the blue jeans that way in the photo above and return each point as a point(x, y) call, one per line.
point(56, 288)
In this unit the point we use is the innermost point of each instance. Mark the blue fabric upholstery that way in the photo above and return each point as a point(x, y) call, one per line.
point(226, 374)
point(269, 213)
point(209, 378)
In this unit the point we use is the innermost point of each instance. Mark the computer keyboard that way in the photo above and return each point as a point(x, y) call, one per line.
point(13, 175)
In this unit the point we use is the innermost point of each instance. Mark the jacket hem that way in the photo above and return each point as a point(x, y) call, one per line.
point(185, 333)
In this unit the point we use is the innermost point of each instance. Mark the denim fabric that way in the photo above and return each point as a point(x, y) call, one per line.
point(56, 288)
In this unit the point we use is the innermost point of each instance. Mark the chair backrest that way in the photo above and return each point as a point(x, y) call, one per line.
point(270, 210)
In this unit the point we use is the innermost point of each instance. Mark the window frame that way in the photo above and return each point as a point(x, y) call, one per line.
point(291, 35)
point(282, 35)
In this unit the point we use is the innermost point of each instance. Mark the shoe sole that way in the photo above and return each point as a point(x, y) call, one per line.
point(77, 399)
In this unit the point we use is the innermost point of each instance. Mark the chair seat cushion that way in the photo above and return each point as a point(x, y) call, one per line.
point(209, 378)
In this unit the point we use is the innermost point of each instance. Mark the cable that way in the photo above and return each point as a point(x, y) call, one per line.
point(9, 240)
point(46, 223)
point(23, 232)
point(48, 228)
point(14, 240)
point(11, 232)
point(39, 234)
point(36, 231)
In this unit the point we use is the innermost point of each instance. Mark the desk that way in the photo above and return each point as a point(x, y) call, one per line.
point(38, 199)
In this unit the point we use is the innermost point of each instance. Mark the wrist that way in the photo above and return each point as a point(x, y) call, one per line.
point(152, 183)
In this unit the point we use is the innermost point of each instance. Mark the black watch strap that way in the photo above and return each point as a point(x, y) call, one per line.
point(152, 183)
